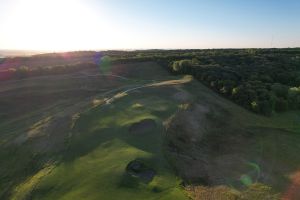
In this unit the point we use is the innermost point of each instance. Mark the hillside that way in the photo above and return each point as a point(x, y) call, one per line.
point(134, 131)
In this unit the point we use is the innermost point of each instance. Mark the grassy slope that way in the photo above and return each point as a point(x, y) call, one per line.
point(272, 144)
point(98, 156)
point(94, 158)
point(93, 163)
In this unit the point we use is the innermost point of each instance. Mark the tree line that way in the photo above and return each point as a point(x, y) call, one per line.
point(263, 82)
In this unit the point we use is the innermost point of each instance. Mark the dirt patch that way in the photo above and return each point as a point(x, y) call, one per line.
point(142, 127)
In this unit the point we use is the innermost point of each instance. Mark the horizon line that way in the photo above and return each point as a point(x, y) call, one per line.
point(141, 49)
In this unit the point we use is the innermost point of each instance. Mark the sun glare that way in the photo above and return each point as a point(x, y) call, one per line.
point(55, 25)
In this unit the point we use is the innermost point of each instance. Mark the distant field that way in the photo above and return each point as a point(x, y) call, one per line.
point(72, 136)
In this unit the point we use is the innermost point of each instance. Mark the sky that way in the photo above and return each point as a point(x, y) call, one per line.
point(59, 25)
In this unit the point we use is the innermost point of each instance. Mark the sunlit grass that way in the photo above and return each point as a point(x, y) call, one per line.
point(23, 190)
point(97, 158)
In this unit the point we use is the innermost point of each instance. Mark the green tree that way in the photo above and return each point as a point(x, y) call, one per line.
point(280, 90)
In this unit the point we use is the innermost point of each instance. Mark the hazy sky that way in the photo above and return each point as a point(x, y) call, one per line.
point(141, 24)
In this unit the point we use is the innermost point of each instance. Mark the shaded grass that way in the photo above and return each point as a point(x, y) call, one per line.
point(270, 143)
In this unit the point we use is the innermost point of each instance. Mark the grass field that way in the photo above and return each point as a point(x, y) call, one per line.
point(101, 148)
point(70, 132)
point(70, 137)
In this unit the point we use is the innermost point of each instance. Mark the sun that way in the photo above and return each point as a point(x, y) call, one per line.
point(56, 25)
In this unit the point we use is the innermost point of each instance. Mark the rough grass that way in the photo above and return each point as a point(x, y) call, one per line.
point(241, 145)
point(98, 146)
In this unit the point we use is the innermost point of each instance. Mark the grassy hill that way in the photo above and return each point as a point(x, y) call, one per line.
point(73, 136)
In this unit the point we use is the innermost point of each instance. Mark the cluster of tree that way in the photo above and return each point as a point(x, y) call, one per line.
point(25, 72)
point(262, 81)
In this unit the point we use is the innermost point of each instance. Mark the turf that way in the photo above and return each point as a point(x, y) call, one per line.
point(91, 160)
point(101, 148)
point(98, 147)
